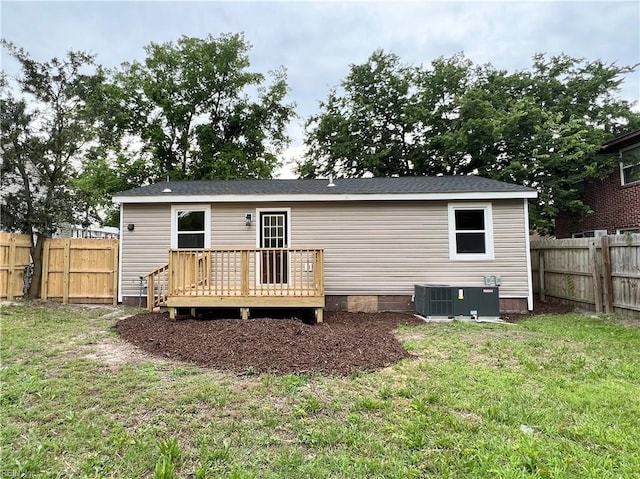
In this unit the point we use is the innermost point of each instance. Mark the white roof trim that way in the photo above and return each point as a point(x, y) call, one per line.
point(291, 198)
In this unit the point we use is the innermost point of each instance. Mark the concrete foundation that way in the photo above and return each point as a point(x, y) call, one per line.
point(373, 303)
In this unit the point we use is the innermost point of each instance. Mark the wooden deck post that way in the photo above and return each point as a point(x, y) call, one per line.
point(318, 274)
point(606, 275)
point(172, 313)
point(151, 288)
point(172, 272)
point(319, 312)
point(244, 313)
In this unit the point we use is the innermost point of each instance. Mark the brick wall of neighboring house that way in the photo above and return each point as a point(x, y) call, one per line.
point(614, 206)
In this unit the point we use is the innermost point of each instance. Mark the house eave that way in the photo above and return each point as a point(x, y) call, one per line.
point(282, 198)
point(621, 143)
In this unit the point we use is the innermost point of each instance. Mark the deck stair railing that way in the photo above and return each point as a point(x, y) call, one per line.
point(157, 288)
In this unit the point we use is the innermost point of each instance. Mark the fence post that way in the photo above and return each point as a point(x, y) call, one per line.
point(116, 269)
point(44, 279)
point(606, 275)
point(597, 283)
point(541, 274)
point(12, 267)
point(66, 271)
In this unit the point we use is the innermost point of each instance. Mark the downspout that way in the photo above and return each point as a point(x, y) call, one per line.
point(621, 167)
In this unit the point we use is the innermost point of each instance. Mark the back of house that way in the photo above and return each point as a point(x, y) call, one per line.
point(352, 244)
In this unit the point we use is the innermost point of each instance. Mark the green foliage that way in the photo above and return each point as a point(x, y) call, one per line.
point(45, 127)
point(191, 110)
point(102, 176)
point(540, 128)
point(170, 457)
point(165, 469)
point(198, 111)
point(170, 449)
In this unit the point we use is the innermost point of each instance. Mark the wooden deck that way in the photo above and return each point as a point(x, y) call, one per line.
point(239, 277)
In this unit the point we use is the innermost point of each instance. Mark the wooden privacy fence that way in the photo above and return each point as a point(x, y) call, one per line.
point(14, 258)
point(74, 270)
point(78, 270)
point(601, 272)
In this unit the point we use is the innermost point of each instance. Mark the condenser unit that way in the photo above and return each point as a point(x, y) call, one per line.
point(451, 301)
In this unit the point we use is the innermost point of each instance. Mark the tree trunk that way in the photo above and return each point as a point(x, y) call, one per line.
point(36, 256)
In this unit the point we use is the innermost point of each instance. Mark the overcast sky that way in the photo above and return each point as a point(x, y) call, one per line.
point(316, 41)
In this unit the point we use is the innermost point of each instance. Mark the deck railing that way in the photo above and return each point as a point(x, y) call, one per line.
point(157, 287)
point(246, 272)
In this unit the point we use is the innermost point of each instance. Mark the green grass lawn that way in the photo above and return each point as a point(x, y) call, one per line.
point(554, 396)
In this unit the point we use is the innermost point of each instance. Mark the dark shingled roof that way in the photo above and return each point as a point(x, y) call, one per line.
point(409, 184)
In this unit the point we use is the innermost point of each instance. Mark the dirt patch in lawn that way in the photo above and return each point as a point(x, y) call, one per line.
point(344, 343)
point(113, 353)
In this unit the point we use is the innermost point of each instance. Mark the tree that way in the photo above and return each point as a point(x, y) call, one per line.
point(540, 128)
point(45, 129)
point(189, 107)
point(388, 120)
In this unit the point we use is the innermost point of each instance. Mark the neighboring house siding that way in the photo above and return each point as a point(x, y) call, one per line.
point(614, 206)
point(380, 248)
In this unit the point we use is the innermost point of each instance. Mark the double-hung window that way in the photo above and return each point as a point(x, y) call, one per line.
point(630, 165)
point(470, 232)
point(191, 226)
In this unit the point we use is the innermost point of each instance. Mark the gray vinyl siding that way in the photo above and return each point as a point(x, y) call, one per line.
point(146, 247)
point(381, 248)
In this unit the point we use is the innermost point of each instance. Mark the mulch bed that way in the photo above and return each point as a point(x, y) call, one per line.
point(344, 343)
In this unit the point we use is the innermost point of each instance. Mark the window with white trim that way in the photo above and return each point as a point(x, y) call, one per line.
point(630, 165)
point(191, 226)
point(470, 232)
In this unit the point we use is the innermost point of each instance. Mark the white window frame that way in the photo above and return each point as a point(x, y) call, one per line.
point(488, 232)
point(624, 165)
point(190, 207)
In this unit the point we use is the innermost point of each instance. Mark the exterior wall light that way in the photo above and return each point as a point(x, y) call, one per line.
point(248, 218)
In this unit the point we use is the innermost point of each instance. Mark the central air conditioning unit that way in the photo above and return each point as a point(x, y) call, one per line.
point(451, 301)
